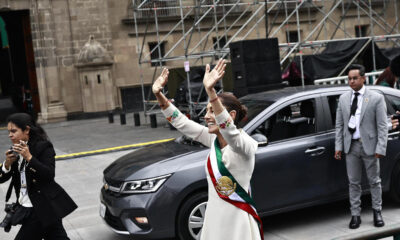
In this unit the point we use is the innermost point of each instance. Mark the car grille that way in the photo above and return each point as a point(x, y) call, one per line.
point(114, 221)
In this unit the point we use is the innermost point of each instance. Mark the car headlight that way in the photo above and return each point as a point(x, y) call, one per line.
point(145, 185)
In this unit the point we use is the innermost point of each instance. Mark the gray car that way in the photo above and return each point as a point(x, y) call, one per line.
point(161, 191)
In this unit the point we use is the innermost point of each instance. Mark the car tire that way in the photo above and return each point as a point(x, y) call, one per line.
point(191, 216)
point(395, 183)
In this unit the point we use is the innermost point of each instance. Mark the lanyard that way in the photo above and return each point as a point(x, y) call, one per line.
point(23, 177)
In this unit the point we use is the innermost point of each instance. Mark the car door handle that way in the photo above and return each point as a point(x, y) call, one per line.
point(393, 136)
point(315, 151)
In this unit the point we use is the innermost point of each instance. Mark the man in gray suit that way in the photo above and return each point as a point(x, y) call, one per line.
point(361, 133)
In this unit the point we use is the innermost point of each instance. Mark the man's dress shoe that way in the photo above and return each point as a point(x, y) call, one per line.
point(378, 220)
point(355, 222)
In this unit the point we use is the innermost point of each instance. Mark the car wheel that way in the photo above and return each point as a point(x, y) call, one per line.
point(395, 183)
point(191, 217)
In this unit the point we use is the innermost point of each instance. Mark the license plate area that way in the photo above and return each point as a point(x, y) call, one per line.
point(102, 210)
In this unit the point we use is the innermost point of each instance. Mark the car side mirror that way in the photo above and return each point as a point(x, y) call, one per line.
point(261, 139)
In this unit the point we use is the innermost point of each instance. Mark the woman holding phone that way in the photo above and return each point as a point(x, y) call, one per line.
point(30, 163)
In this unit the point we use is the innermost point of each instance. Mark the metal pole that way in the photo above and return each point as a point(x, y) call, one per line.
point(266, 18)
point(216, 24)
point(286, 16)
point(343, 16)
point(342, 19)
point(180, 40)
point(287, 19)
point(158, 35)
point(312, 32)
point(354, 58)
point(139, 62)
point(325, 30)
point(299, 41)
point(330, 19)
point(396, 15)
point(245, 25)
point(373, 40)
point(212, 29)
point(185, 47)
point(171, 31)
point(359, 22)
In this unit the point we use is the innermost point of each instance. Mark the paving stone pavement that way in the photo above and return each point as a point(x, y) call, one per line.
point(82, 179)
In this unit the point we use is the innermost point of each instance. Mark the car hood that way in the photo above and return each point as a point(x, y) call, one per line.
point(157, 157)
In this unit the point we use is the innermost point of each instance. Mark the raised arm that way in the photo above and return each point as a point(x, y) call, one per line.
point(158, 85)
point(210, 80)
point(239, 141)
point(176, 118)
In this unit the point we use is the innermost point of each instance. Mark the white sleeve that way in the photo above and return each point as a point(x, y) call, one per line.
point(3, 168)
point(237, 139)
point(188, 127)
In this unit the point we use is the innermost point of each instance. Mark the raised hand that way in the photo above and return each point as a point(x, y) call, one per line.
point(161, 81)
point(211, 78)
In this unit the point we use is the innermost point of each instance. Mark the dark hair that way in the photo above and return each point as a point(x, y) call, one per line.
point(388, 77)
point(395, 66)
point(230, 102)
point(358, 67)
point(22, 121)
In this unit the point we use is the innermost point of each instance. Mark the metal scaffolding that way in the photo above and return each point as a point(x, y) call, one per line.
point(312, 24)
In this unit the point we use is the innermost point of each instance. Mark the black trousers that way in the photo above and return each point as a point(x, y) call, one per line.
point(32, 229)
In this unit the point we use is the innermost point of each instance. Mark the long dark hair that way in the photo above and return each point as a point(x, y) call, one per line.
point(387, 76)
point(230, 102)
point(22, 121)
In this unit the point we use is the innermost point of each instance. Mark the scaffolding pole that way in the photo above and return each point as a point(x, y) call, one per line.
point(234, 20)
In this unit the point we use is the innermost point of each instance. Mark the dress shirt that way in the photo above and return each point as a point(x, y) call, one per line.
point(23, 198)
point(356, 134)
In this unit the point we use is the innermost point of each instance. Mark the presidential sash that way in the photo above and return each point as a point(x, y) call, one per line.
point(227, 187)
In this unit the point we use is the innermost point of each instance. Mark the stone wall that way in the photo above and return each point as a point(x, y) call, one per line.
point(60, 28)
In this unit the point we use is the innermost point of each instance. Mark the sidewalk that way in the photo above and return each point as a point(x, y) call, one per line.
point(93, 134)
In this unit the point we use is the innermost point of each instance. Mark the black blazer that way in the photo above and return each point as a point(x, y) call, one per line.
point(50, 201)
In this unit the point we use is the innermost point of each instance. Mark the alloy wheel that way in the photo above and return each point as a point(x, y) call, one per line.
point(196, 220)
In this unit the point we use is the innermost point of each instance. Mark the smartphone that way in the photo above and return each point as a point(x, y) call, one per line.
point(11, 150)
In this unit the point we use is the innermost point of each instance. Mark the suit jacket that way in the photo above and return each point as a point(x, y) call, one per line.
point(50, 201)
point(373, 123)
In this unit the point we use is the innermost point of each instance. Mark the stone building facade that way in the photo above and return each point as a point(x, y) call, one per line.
point(59, 30)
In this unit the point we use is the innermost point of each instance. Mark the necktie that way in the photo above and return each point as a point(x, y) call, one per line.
point(353, 108)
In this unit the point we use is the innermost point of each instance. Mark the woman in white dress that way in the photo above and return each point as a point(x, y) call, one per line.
point(230, 212)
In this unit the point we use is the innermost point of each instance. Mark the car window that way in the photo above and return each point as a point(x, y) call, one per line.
point(333, 102)
point(254, 107)
point(292, 121)
point(394, 102)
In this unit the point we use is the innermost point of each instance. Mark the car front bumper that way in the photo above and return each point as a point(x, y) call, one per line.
point(120, 212)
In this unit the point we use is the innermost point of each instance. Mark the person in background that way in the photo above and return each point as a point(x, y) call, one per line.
point(388, 79)
point(30, 164)
point(362, 133)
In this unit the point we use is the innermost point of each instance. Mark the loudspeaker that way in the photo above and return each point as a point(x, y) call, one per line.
point(253, 74)
point(255, 66)
point(252, 51)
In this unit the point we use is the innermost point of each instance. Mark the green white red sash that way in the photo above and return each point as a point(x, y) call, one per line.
point(229, 189)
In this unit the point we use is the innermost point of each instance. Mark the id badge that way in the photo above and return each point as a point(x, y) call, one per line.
point(352, 122)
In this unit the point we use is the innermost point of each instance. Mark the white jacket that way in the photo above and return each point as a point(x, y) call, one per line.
point(222, 219)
